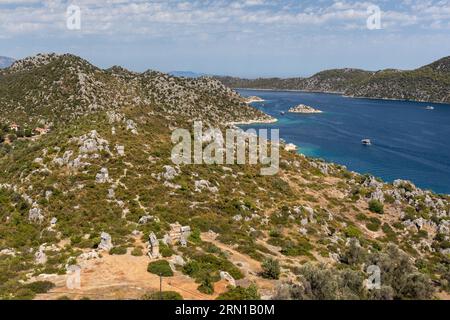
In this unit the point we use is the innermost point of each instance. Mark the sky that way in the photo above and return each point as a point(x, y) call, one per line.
point(248, 38)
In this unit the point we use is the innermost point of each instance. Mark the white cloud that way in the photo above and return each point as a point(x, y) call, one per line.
point(178, 18)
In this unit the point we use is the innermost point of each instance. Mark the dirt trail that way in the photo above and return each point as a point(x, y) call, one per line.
point(123, 277)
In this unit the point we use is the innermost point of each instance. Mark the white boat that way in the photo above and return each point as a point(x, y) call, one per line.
point(366, 142)
point(429, 108)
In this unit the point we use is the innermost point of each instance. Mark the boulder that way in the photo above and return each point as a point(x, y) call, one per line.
point(145, 219)
point(203, 184)
point(226, 276)
point(105, 242)
point(120, 150)
point(102, 176)
point(35, 215)
point(40, 256)
point(170, 173)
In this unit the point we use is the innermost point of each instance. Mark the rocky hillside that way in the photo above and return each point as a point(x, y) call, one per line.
point(49, 88)
point(99, 192)
point(5, 62)
point(430, 83)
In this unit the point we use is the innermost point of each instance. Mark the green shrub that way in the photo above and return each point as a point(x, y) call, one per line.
point(240, 293)
point(271, 269)
point(195, 236)
point(376, 206)
point(165, 250)
point(118, 250)
point(374, 224)
point(160, 267)
point(137, 252)
point(40, 286)
point(165, 295)
point(201, 266)
point(352, 232)
point(206, 286)
point(24, 294)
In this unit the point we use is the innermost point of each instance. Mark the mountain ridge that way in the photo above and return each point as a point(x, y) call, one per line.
point(429, 83)
point(46, 87)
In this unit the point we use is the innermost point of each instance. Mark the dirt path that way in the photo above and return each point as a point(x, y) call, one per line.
point(122, 277)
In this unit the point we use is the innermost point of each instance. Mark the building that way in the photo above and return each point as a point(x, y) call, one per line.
point(14, 127)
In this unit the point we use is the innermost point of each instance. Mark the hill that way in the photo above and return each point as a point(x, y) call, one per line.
point(49, 88)
point(97, 189)
point(429, 83)
point(5, 62)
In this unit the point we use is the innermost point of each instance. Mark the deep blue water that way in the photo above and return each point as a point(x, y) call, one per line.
point(409, 142)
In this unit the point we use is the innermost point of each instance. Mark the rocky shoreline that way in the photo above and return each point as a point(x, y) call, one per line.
point(302, 108)
point(253, 99)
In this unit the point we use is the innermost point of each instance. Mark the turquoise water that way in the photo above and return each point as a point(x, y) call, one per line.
point(409, 141)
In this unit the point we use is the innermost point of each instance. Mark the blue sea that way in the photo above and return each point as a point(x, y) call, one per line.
point(408, 141)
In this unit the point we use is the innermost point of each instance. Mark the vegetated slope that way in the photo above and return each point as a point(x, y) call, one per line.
point(50, 88)
point(106, 170)
point(429, 83)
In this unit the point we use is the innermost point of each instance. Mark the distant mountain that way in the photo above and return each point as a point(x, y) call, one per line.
point(186, 74)
point(5, 62)
point(429, 83)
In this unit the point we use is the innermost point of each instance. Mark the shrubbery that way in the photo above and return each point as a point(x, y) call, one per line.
point(118, 250)
point(161, 268)
point(240, 293)
point(376, 206)
point(206, 287)
point(40, 286)
point(165, 295)
point(271, 269)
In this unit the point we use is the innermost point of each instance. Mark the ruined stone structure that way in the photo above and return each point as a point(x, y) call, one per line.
point(153, 246)
point(179, 233)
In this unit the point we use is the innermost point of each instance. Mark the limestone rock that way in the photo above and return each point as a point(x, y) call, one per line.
point(105, 242)
point(203, 184)
point(226, 276)
point(35, 214)
point(102, 176)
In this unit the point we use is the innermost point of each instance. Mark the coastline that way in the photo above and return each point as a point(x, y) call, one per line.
point(254, 100)
point(344, 95)
point(257, 121)
point(300, 150)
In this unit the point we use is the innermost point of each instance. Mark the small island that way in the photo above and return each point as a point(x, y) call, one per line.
point(301, 108)
point(252, 99)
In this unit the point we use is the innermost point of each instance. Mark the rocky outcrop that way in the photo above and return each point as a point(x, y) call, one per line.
point(105, 242)
point(302, 108)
